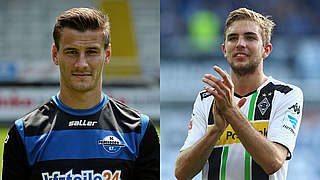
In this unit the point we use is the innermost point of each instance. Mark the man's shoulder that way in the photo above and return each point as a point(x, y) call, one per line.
point(43, 109)
point(281, 86)
point(115, 103)
point(125, 118)
point(37, 119)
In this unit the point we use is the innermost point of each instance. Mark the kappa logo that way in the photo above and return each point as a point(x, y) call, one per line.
point(296, 108)
point(85, 175)
point(111, 144)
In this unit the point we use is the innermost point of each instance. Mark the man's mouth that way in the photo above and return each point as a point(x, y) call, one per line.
point(81, 75)
point(241, 55)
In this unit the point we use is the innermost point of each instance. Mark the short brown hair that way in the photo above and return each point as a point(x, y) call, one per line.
point(264, 22)
point(82, 19)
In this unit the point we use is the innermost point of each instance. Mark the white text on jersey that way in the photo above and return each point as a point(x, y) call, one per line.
point(85, 175)
point(82, 123)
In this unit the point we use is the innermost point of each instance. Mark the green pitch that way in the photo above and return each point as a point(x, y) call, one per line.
point(3, 134)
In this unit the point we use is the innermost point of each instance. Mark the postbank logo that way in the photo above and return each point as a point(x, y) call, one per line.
point(230, 137)
point(111, 144)
point(85, 175)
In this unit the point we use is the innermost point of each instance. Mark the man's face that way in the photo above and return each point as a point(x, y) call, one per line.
point(244, 48)
point(81, 57)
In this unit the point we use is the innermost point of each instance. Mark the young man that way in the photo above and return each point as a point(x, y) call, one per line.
point(81, 133)
point(244, 127)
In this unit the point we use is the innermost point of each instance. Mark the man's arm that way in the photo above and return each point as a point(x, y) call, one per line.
point(190, 161)
point(147, 165)
point(15, 164)
point(257, 145)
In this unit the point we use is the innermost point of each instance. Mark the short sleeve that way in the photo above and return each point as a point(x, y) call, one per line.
point(198, 122)
point(147, 165)
point(284, 126)
point(15, 164)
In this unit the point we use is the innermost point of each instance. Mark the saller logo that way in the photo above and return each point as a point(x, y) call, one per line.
point(85, 175)
point(82, 123)
point(111, 144)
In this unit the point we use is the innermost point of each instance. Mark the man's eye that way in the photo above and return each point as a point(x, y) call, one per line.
point(232, 39)
point(251, 38)
point(92, 52)
point(71, 52)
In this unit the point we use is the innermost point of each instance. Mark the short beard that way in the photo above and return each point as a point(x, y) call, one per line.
point(245, 71)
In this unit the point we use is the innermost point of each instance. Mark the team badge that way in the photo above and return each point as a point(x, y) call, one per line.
point(111, 144)
point(264, 105)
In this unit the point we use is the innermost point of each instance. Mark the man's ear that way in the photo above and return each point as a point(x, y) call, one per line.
point(267, 51)
point(223, 47)
point(108, 54)
point(54, 55)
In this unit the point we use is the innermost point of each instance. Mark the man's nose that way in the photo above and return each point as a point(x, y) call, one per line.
point(82, 60)
point(241, 43)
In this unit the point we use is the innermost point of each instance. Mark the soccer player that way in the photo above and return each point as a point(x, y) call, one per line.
point(81, 133)
point(243, 127)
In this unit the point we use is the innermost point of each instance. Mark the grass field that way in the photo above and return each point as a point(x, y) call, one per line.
point(4, 132)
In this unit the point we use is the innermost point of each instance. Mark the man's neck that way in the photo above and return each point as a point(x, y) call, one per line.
point(248, 83)
point(80, 100)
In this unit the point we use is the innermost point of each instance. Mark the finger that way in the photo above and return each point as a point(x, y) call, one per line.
point(217, 81)
point(214, 85)
point(218, 113)
point(225, 76)
point(242, 102)
point(213, 92)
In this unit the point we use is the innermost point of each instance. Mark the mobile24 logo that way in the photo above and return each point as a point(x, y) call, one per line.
point(85, 175)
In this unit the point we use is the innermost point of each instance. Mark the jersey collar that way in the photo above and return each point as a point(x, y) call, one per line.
point(80, 112)
point(262, 85)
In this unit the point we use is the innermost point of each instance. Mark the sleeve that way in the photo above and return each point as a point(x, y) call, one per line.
point(284, 127)
point(15, 164)
point(198, 122)
point(147, 165)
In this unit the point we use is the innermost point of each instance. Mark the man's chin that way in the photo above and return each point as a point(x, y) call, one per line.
point(82, 87)
point(243, 70)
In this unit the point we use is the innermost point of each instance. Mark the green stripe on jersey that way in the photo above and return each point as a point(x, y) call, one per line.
point(224, 162)
point(251, 108)
point(247, 155)
point(247, 166)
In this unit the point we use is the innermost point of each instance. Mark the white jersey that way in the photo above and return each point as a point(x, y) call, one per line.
point(274, 109)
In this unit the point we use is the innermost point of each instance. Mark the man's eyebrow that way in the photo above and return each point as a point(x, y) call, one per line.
point(69, 49)
point(250, 33)
point(232, 34)
point(93, 48)
point(246, 33)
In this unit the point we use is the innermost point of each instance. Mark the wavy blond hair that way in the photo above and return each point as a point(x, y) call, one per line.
point(264, 22)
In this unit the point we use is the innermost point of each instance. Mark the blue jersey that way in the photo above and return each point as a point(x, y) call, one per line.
point(110, 141)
